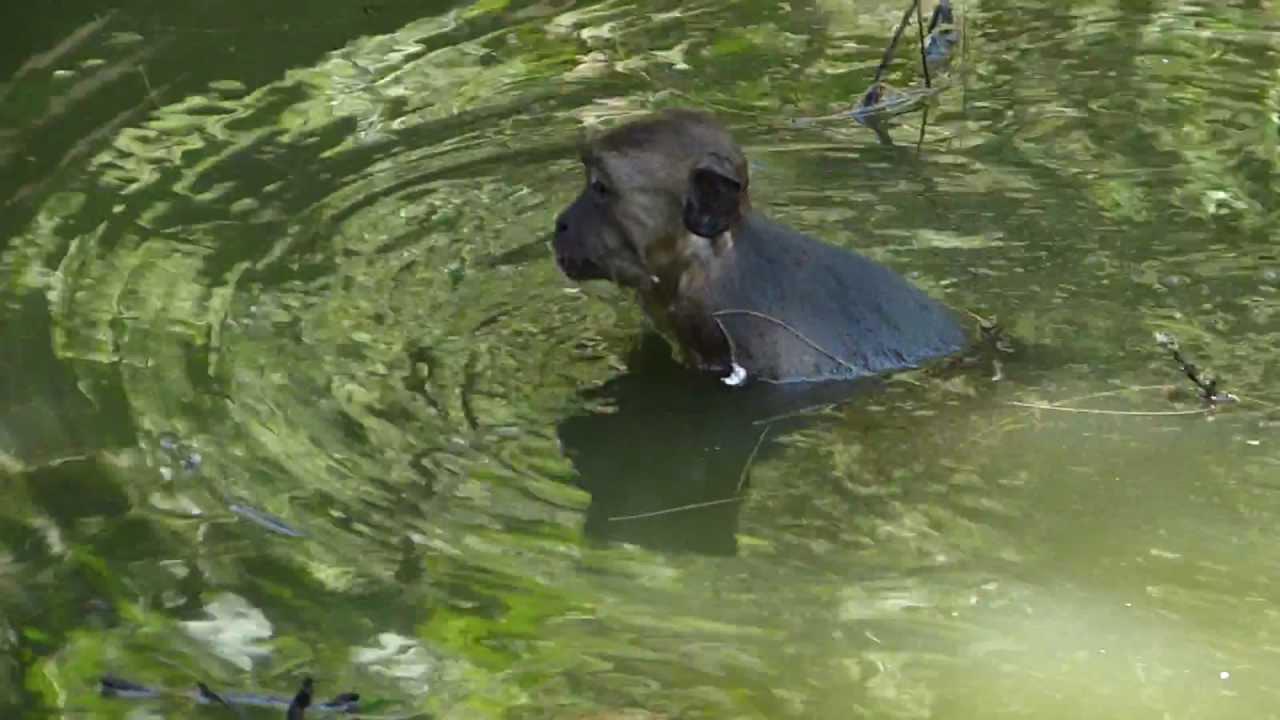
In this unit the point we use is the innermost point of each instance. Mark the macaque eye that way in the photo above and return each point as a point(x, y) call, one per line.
point(599, 188)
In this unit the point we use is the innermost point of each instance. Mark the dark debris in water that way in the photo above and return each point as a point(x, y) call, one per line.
point(179, 453)
point(182, 454)
point(295, 708)
point(880, 100)
point(1207, 386)
point(111, 686)
point(992, 345)
point(301, 701)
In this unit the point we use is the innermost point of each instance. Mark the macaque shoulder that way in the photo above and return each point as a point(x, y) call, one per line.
point(793, 308)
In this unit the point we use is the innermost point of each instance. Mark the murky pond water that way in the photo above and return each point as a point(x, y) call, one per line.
point(289, 383)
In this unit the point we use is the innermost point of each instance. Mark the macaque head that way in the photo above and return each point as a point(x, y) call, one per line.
point(656, 190)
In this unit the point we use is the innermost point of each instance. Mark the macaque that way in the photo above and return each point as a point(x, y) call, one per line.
point(666, 212)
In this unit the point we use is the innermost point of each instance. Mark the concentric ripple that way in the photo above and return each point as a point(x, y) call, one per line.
point(296, 388)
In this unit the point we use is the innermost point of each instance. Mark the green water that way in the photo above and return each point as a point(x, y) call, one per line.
point(289, 383)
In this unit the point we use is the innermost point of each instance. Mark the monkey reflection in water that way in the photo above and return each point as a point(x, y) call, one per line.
point(666, 212)
point(667, 461)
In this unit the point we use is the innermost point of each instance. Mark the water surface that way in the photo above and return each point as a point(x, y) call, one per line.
point(290, 385)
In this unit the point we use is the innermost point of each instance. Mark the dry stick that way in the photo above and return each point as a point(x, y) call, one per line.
point(924, 60)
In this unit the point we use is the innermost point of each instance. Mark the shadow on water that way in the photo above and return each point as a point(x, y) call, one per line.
point(52, 411)
point(666, 454)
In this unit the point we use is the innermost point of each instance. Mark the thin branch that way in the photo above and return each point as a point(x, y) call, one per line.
point(1090, 411)
point(1110, 393)
point(811, 410)
point(893, 43)
point(1256, 401)
point(801, 336)
point(746, 469)
point(681, 508)
point(924, 123)
point(146, 81)
point(924, 59)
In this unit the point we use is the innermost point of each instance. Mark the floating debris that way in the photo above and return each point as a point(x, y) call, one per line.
point(111, 686)
point(192, 461)
point(937, 47)
point(1209, 392)
point(264, 519)
point(178, 453)
point(943, 36)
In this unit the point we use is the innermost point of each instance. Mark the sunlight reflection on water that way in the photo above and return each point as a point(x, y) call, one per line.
point(328, 286)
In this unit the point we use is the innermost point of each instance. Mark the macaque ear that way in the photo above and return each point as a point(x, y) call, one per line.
point(714, 199)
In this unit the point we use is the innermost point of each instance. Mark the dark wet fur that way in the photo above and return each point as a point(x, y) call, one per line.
point(866, 317)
